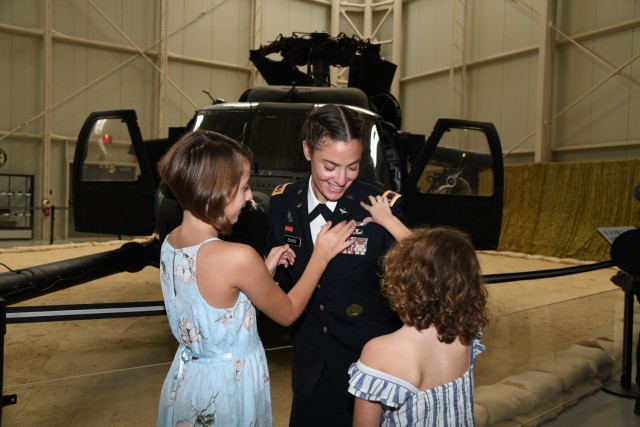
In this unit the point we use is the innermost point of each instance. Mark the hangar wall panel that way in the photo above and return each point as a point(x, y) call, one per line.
point(207, 47)
point(502, 84)
point(289, 16)
point(95, 64)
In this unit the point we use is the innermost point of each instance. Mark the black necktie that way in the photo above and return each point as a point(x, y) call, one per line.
point(321, 209)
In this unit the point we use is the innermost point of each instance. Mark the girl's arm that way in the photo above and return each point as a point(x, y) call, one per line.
point(381, 214)
point(366, 413)
point(241, 268)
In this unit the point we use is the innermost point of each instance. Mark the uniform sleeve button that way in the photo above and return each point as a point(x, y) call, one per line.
point(321, 307)
point(324, 329)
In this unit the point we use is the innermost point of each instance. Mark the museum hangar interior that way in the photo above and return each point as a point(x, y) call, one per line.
point(558, 79)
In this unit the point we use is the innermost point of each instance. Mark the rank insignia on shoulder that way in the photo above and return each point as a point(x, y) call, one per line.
point(391, 196)
point(279, 189)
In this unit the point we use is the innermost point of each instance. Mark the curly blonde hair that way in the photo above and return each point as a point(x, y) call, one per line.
point(432, 277)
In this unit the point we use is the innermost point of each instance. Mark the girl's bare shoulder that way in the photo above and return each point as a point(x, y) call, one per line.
point(225, 248)
point(377, 351)
point(227, 255)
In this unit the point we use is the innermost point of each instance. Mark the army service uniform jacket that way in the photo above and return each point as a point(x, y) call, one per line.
point(347, 308)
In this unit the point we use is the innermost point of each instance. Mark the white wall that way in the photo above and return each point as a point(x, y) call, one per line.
point(47, 96)
point(501, 84)
point(607, 116)
point(95, 64)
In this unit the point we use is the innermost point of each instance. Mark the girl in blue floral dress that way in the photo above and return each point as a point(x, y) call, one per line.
point(422, 374)
point(219, 375)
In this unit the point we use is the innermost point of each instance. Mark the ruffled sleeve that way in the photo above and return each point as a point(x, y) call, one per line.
point(370, 384)
point(476, 346)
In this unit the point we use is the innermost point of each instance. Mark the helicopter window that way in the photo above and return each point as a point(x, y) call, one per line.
point(108, 154)
point(230, 123)
point(373, 167)
point(374, 139)
point(276, 143)
point(274, 137)
point(461, 165)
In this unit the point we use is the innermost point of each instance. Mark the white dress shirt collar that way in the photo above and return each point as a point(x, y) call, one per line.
point(312, 200)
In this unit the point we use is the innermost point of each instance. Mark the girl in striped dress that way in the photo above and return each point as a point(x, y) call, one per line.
point(422, 374)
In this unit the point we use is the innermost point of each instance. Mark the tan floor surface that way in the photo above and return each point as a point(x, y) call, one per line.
point(109, 372)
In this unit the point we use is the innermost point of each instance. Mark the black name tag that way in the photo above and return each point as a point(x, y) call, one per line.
point(294, 241)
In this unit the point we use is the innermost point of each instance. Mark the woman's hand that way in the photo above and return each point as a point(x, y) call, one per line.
point(333, 240)
point(280, 255)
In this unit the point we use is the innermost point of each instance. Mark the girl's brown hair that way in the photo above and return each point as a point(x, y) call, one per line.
point(432, 277)
point(203, 171)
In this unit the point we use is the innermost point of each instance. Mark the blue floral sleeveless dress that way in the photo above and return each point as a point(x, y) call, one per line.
point(219, 375)
point(403, 404)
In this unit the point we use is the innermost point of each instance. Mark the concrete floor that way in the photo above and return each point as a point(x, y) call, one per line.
point(122, 390)
point(600, 409)
point(108, 372)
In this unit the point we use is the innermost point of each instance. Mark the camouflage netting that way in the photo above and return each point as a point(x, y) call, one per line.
point(555, 209)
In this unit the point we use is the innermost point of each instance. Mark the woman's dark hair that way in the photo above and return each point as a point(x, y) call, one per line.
point(333, 121)
point(432, 277)
point(203, 171)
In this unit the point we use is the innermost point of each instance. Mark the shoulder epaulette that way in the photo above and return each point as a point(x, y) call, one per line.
point(391, 196)
point(279, 189)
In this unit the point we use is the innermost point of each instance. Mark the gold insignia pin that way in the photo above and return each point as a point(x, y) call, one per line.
point(391, 196)
point(279, 189)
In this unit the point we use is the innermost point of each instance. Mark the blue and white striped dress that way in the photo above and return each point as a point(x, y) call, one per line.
point(403, 404)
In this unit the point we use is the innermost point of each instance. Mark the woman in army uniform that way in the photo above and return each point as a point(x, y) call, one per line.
point(347, 308)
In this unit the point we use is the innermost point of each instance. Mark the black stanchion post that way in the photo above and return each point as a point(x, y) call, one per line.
point(3, 319)
point(53, 221)
point(625, 388)
point(627, 341)
point(625, 252)
point(11, 399)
